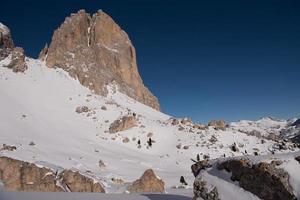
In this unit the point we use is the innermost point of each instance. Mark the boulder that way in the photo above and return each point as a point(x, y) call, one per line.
point(186, 121)
point(125, 123)
point(174, 121)
point(126, 140)
point(298, 159)
point(76, 182)
point(275, 181)
point(148, 183)
point(6, 42)
point(201, 165)
point(82, 109)
point(218, 124)
point(276, 162)
point(100, 53)
point(18, 175)
point(178, 146)
point(6, 147)
point(102, 164)
point(201, 191)
point(17, 63)
point(234, 148)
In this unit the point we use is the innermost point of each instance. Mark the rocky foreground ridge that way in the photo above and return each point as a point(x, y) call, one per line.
point(18, 175)
point(268, 177)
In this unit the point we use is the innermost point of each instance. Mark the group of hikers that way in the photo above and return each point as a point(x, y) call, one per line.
point(149, 142)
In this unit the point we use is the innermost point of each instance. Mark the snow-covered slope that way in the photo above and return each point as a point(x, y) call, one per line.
point(38, 107)
point(268, 126)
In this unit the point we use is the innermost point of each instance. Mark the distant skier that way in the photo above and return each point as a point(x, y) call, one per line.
point(150, 142)
point(139, 143)
point(182, 181)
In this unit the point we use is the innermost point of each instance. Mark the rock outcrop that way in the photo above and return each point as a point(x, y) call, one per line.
point(76, 182)
point(298, 159)
point(218, 124)
point(96, 51)
point(6, 147)
point(148, 183)
point(123, 124)
point(17, 63)
point(263, 179)
point(201, 165)
point(17, 175)
point(6, 42)
point(201, 191)
point(7, 47)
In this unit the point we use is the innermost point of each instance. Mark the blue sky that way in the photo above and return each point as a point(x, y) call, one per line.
point(203, 59)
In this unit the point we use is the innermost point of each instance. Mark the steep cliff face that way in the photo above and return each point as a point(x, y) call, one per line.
point(96, 51)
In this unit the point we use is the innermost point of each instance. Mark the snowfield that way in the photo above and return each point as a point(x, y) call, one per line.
point(38, 108)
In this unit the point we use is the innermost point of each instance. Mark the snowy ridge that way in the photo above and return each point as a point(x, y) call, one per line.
point(266, 126)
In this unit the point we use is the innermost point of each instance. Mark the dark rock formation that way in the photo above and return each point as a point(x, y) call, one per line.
point(198, 166)
point(296, 123)
point(82, 109)
point(17, 63)
point(201, 191)
point(96, 51)
point(6, 147)
point(262, 179)
point(298, 159)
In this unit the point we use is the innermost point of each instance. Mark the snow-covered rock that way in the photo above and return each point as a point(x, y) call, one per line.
point(251, 177)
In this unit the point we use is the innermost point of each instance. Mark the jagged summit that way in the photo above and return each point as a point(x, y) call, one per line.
point(96, 51)
point(6, 41)
point(4, 29)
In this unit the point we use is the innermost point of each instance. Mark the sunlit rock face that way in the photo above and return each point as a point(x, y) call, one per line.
point(96, 51)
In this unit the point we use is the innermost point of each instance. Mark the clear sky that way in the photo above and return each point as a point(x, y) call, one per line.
point(203, 59)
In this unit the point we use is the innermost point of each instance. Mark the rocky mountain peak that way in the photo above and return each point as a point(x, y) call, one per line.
point(17, 63)
point(96, 51)
point(6, 42)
